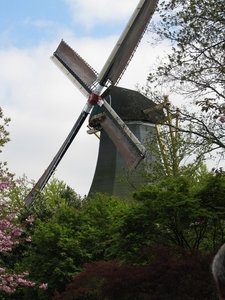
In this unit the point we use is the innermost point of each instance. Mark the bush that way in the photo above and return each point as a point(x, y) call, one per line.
point(171, 274)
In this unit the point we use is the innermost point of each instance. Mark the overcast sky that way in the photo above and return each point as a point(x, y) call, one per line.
point(42, 103)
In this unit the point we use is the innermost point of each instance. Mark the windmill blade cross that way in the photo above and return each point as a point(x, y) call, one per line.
point(83, 76)
point(91, 84)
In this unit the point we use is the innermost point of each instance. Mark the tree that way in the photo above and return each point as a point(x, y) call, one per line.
point(171, 151)
point(62, 242)
point(211, 197)
point(194, 68)
point(4, 134)
point(11, 231)
point(57, 248)
point(195, 29)
point(186, 212)
point(45, 207)
point(103, 212)
point(4, 139)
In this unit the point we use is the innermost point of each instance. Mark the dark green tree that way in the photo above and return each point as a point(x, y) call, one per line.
point(185, 211)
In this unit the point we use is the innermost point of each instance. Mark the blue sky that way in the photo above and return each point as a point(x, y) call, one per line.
point(42, 103)
point(24, 23)
point(19, 21)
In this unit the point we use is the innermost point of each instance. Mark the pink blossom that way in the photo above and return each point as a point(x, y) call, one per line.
point(9, 282)
point(10, 235)
point(17, 232)
point(10, 278)
point(5, 184)
point(19, 180)
point(43, 286)
point(30, 220)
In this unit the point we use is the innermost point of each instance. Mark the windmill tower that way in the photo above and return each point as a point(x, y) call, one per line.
point(129, 105)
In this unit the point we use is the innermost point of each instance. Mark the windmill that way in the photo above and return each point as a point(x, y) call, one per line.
point(92, 84)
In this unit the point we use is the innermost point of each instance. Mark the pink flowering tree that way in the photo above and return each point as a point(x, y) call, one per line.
point(12, 230)
point(11, 234)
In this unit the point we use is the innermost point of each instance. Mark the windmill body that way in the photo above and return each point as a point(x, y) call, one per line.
point(91, 84)
point(111, 168)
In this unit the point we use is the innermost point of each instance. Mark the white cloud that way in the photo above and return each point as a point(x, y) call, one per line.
point(43, 24)
point(91, 12)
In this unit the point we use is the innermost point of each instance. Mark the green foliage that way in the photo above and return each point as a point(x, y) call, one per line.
point(62, 242)
point(185, 211)
point(46, 232)
point(4, 134)
point(16, 193)
point(175, 212)
point(57, 248)
point(55, 195)
point(4, 139)
point(71, 197)
point(103, 212)
point(212, 199)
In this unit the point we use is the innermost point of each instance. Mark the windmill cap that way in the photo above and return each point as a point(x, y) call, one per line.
point(129, 105)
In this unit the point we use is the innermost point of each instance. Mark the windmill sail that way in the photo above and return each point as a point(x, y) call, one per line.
point(128, 42)
point(72, 65)
point(56, 160)
point(126, 142)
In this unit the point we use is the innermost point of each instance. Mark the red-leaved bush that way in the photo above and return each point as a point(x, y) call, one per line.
point(170, 274)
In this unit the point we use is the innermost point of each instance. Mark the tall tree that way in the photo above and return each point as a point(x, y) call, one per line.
point(195, 66)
